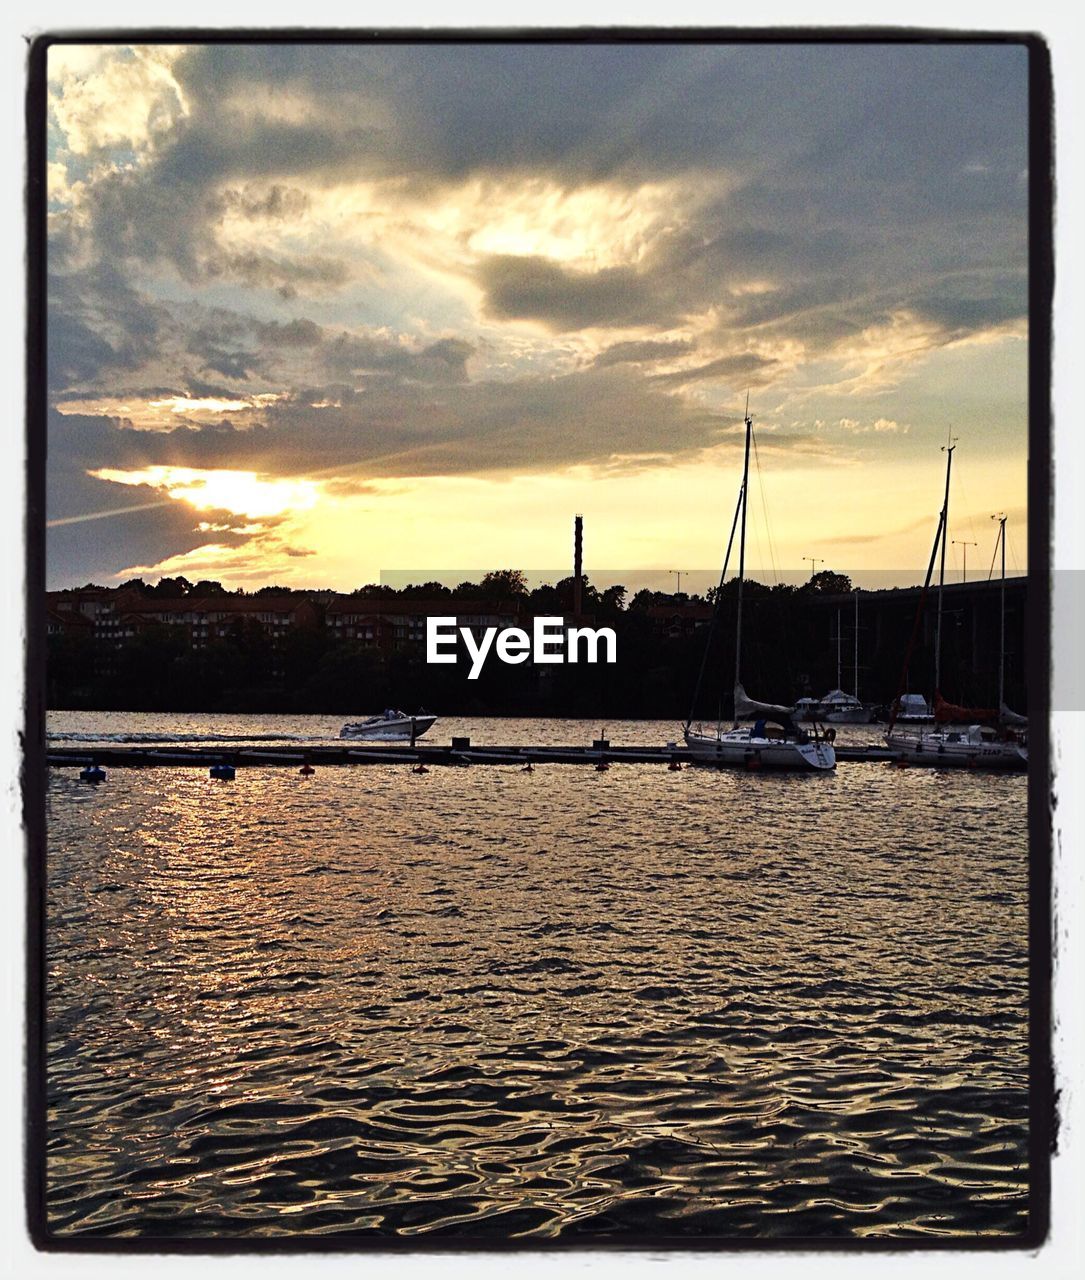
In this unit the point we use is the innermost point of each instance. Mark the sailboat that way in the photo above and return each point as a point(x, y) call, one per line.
point(1014, 726)
point(838, 707)
point(763, 734)
point(961, 736)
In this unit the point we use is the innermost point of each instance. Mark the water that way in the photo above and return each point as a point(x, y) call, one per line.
point(492, 1004)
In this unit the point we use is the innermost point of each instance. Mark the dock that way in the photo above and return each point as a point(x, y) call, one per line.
point(461, 752)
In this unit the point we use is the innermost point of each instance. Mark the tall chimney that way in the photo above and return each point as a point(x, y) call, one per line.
point(578, 566)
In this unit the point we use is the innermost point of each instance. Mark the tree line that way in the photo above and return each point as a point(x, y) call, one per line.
point(787, 652)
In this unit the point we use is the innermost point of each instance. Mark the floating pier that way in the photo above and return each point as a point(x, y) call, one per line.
point(461, 752)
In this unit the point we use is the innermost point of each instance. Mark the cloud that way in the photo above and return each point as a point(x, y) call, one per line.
point(144, 526)
point(754, 369)
point(126, 99)
point(406, 428)
point(416, 260)
point(533, 288)
point(644, 351)
point(311, 273)
point(277, 202)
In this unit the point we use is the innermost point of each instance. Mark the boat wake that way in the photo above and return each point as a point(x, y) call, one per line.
point(186, 737)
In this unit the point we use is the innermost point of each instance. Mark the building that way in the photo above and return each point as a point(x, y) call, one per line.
point(114, 617)
point(679, 618)
point(76, 609)
point(394, 624)
point(206, 619)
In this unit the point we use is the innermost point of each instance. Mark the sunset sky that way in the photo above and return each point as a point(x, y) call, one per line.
point(321, 311)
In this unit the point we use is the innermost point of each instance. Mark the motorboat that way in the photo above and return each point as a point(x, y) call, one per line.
point(913, 708)
point(390, 726)
point(839, 707)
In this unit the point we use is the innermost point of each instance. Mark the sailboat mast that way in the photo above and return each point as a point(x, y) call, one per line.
point(856, 644)
point(742, 550)
point(1002, 619)
point(895, 709)
point(839, 676)
point(942, 575)
point(715, 616)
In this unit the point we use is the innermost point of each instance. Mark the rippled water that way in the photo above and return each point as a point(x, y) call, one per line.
point(486, 1003)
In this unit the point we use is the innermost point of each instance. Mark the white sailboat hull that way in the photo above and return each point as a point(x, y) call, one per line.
point(939, 751)
point(740, 748)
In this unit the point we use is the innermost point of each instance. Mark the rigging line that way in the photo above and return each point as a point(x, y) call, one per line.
point(765, 512)
point(759, 513)
point(903, 685)
point(964, 503)
point(756, 534)
point(716, 613)
point(1013, 556)
point(994, 556)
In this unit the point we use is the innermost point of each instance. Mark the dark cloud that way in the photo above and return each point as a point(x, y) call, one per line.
point(294, 333)
point(107, 339)
point(534, 288)
point(974, 308)
point(643, 352)
point(277, 202)
point(590, 416)
point(589, 112)
point(94, 549)
point(755, 370)
point(262, 270)
point(352, 355)
point(99, 325)
point(238, 365)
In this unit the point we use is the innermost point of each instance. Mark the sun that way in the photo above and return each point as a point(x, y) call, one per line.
point(243, 493)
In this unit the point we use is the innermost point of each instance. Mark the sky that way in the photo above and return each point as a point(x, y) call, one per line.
point(317, 312)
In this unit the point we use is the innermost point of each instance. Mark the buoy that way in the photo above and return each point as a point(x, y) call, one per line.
point(92, 773)
point(307, 770)
point(753, 761)
point(675, 766)
point(420, 768)
point(602, 766)
point(528, 768)
point(222, 772)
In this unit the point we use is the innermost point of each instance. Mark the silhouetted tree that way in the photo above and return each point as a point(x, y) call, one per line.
point(828, 583)
point(172, 588)
point(504, 584)
point(612, 600)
